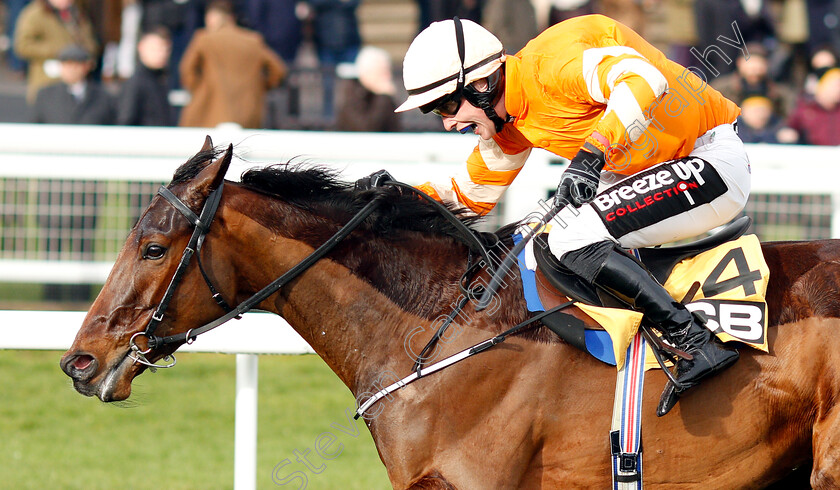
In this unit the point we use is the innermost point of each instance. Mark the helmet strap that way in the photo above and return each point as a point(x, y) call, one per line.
point(488, 99)
point(462, 51)
point(497, 119)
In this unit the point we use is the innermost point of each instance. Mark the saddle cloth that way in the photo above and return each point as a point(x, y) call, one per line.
point(727, 284)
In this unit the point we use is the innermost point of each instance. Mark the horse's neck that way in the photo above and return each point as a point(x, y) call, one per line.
point(351, 325)
point(356, 327)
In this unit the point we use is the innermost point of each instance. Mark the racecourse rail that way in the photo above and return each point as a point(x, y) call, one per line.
point(150, 155)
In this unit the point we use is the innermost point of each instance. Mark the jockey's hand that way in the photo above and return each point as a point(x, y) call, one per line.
point(376, 179)
point(579, 183)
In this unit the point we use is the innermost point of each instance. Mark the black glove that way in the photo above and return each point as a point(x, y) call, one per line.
point(376, 179)
point(579, 183)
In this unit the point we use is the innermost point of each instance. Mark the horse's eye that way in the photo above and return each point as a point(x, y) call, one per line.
point(154, 252)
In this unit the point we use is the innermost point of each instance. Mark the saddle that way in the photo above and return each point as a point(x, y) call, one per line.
point(555, 284)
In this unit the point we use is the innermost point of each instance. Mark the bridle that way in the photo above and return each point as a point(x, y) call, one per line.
point(202, 227)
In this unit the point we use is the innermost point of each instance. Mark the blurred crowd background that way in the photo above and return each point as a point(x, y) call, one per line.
point(335, 64)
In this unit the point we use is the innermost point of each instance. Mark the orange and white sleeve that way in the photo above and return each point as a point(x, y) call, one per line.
point(624, 80)
point(479, 186)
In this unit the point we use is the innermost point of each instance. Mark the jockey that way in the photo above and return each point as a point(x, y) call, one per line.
point(654, 152)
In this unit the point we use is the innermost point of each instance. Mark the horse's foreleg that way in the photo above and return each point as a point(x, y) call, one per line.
point(826, 472)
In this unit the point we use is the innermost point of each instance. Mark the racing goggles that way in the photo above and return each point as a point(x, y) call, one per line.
point(449, 104)
point(445, 106)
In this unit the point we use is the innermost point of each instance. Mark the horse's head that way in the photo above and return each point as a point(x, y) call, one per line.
point(101, 360)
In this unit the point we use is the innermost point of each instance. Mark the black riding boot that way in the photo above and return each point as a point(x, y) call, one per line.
point(628, 280)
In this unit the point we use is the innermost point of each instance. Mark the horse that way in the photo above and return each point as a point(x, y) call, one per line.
point(531, 412)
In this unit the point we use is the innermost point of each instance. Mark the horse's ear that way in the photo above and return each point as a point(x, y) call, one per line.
point(212, 175)
point(208, 144)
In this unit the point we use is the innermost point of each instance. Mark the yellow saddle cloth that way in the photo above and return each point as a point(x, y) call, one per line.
point(727, 284)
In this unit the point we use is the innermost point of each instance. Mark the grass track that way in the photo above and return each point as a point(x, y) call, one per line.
point(176, 430)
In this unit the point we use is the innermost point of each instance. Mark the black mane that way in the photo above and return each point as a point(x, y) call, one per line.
point(318, 189)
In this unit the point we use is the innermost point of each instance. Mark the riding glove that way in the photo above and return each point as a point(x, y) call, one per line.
point(376, 179)
point(579, 183)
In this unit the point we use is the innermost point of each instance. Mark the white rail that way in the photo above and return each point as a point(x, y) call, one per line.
point(257, 333)
point(152, 154)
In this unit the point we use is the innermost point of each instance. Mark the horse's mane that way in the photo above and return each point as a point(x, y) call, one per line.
point(319, 190)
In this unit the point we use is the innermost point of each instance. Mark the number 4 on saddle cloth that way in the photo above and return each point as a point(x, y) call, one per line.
point(723, 276)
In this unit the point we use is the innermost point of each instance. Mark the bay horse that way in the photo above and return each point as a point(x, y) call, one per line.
point(532, 412)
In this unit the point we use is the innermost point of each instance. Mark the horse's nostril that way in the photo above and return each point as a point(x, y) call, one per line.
point(79, 367)
point(82, 362)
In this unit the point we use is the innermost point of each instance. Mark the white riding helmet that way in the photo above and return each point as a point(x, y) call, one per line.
point(433, 64)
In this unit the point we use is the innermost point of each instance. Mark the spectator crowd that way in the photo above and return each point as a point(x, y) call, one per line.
point(208, 62)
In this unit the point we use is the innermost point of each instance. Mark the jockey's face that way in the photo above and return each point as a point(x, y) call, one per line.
point(471, 118)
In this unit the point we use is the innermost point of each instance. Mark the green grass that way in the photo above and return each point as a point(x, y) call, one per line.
point(20, 291)
point(176, 431)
